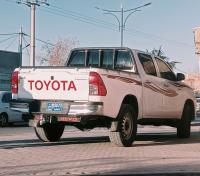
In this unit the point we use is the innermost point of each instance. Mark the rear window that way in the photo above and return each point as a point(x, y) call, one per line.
point(77, 59)
point(107, 58)
point(123, 60)
point(93, 58)
point(103, 58)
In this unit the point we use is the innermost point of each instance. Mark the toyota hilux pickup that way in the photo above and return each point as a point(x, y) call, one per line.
point(116, 88)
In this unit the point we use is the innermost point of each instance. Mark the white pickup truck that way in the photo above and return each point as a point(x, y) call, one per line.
point(116, 88)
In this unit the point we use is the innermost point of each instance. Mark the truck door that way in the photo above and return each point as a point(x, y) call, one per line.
point(173, 97)
point(152, 97)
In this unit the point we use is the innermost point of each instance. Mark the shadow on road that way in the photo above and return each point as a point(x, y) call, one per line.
point(153, 140)
point(166, 139)
point(16, 124)
point(37, 143)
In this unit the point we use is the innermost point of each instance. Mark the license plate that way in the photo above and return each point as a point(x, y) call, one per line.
point(69, 119)
point(54, 107)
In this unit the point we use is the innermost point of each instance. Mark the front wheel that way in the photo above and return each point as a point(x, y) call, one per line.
point(49, 132)
point(184, 126)
point(126, 128)
point(4, 120)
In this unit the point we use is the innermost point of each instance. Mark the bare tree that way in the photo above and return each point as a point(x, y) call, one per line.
point(57, 55)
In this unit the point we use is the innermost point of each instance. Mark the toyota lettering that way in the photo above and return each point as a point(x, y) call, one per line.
point(52, 85)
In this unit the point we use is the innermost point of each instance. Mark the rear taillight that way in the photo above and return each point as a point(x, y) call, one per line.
point(96, 84)
point(14, 82)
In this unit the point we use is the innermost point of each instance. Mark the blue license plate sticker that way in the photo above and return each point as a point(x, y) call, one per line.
point(54, 107)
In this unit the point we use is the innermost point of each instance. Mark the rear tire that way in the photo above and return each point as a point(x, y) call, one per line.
point(4, 120)
point(126, 128)
point(49, 132)
point(184, 126)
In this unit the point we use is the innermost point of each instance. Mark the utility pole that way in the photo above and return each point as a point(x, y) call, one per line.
point(122, 22)
point(20, 46)
point(122, 25)
point(32, 53)
point(32, 4)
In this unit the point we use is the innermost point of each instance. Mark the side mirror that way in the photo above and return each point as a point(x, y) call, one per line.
point(180, 76)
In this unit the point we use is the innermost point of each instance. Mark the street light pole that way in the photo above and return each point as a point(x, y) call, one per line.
point(122, 23)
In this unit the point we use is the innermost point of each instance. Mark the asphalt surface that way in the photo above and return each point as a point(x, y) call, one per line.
point(156, 151)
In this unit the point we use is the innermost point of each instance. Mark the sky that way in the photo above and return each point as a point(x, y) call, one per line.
point(166, 23)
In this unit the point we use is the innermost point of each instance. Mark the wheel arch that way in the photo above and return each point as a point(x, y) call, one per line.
point(129, 100)
point(6, 117)
point(4, 113)
point(132, 101)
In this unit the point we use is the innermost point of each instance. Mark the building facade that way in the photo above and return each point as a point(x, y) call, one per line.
point(193, 80)
point(8, 62)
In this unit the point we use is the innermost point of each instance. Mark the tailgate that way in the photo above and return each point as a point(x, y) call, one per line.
point(54, 84)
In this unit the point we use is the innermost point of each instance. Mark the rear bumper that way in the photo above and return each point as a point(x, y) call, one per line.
point(92, 108)
point(71, 108)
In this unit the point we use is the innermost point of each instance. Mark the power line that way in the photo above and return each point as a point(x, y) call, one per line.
point(14, 35)
point(128, 30)
point(6, 39)
point(48, 43)
point(26, 35)
point(59, 11)
point(77, 19)
point(45, 42)
point(11, 43)
point(79, 15)
point(9, 34)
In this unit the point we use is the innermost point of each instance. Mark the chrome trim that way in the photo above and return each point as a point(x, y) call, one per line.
point(86, 109)
point(21, 107)
point(74, 108)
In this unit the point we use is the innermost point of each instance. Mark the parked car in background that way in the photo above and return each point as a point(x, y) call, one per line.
point(8, 116)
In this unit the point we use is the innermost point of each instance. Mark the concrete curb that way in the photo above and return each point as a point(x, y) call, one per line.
point(196, 122)
point(159, 174)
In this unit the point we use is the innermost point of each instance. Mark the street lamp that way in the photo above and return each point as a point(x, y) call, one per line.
point(122, 23)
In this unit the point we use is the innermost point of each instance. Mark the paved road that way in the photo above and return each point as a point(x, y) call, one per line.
point(156, 150)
